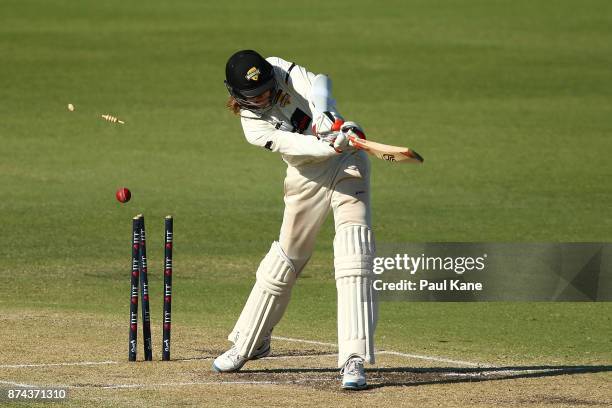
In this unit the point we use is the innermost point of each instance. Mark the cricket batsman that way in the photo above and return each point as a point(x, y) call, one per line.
point(285, 108)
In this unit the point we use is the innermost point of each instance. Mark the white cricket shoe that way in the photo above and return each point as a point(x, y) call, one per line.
point(231, 361)
point(353, 374)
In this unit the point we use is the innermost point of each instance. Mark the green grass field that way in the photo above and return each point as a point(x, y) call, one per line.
point(510, 102)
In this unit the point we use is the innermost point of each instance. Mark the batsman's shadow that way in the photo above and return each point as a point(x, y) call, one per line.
point(290, 370)
point(413, 376)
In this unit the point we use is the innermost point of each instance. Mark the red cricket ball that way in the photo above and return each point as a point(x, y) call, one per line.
point(123, 195)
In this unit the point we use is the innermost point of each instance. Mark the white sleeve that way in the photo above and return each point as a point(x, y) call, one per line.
point(263, 134)
point(321, 95)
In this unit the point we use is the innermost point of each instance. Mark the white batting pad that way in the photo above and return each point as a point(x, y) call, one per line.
point(354, 251)
point(266, 303)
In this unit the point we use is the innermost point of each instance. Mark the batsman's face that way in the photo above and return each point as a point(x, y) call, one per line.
point(261, 101)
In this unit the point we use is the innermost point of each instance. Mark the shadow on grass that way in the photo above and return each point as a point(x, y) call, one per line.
point(412, 376)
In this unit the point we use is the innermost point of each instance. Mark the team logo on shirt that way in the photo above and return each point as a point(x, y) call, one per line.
point(252, 74)
point(283, 99)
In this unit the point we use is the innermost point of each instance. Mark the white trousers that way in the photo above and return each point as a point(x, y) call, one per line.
point(341, 184)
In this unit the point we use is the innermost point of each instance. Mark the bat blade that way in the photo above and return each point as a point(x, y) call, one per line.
point(385, 152)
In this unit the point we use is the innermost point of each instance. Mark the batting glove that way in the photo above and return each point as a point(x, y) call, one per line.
point(347, 129)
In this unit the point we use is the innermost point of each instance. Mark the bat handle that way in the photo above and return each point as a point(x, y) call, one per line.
point(355, 142)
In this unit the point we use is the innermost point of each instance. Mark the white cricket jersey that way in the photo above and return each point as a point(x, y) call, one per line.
point(286, 127)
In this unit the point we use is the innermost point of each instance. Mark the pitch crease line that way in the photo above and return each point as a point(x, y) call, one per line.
point(16, 384)
point(77, 363)
point(289, 339)
point(502, 372)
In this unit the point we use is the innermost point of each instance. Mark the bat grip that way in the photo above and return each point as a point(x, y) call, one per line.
point(355, 142)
